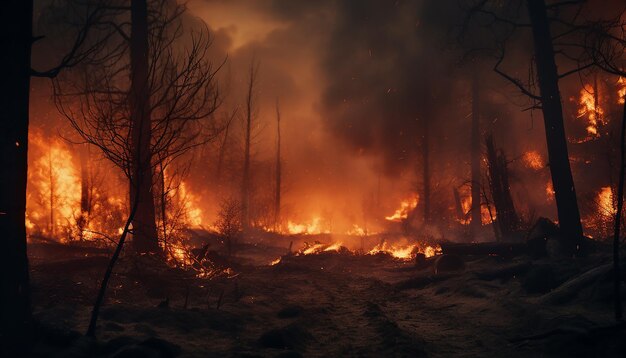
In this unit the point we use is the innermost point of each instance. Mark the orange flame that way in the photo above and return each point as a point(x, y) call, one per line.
point(533, 160)
point(591, 110)
point(406, 206)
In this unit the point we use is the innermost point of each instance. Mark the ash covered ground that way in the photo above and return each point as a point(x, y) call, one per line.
point(326, 304)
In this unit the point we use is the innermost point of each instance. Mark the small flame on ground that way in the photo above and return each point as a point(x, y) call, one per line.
point(406, 252)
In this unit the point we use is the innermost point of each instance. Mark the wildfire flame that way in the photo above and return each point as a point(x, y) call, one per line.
point(311, 228)
point(621, 91)
point(591, 110)
point(606, 205)
point(533, 160)
point(407, 252)
point(406, 206)
point(485, 215)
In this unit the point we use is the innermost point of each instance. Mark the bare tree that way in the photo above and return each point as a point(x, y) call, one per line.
point(160, 114)
point(228, 223)
point(245, 185)
point(506, 20)
point(14, 297)
point(14, 121)
point(605, 48)
point(475, 156)
point(278, 171)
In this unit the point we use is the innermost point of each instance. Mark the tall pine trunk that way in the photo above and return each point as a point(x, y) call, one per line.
point(278, 171)
point(85, 202)
point(145, 237)
point(617, 299)
point(15, 85)
point(426, 166)
point(475, 157)
point(562, 181)
point(245, 185)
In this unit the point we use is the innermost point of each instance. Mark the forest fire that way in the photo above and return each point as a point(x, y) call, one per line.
point(314, 226)
point(313, 178)
point(406, 206)
point(406, 252)
point(533, 160)
point(621, 91)
point(591, 110)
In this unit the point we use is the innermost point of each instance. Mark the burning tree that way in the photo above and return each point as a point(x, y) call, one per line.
point(506, 20)
point(157, 116)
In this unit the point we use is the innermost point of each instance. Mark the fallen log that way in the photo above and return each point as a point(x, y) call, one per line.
point(572, 287)
point(506, 249)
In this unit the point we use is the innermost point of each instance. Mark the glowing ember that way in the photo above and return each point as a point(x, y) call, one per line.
point(533, 160)
point(549, 191)
point(621, 92)
point(276, 262)
point(406, 206)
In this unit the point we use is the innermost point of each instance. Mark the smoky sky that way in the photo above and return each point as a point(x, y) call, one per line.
point(385, 70)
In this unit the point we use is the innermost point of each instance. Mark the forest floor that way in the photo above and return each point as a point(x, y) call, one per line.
point(333, 304)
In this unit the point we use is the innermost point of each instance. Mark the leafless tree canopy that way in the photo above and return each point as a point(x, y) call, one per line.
point(182, 88)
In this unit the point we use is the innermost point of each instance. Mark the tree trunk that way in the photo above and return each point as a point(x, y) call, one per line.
point(426, 166)
point(278, 171)
point(51, 197)
point(562, 181)
point(85, 205)
point(506, 216)
point(145, 239)
point(618, 221)
point(245, 185)
point(15, 86)
point(476, 222)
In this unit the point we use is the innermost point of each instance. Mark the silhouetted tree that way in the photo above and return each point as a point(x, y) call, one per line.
point(16, 52)
point(159, 115)
point(507, 20)
point(245, 184)
point(278, 170)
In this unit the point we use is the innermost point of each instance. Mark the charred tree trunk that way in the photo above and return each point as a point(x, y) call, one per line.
point(476, 222)
point(245, 185)
point(278, 171)
point(14, 295)
point(618, 221)
point(220, 158)
point(506, 217)
point(84, 181)
point(145, 239)
point(52, 187)
point(85, 205)
point(457, 204)
point(558, 157)
point(426, 167)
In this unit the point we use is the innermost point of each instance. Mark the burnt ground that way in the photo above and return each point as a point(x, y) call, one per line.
point(330, 304)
